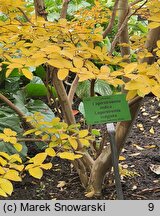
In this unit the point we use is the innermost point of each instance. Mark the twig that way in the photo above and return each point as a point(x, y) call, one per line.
point(110, 25)
point(26, 17)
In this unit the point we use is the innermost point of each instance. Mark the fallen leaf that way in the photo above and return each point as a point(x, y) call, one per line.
point(150, 146)
point(134, 154)
point(145, 114)
point(61, 184)
point(75, 112)
point(151, 130)
point(140, 126)
point(134, 187)
point(125, 166)
point(138, 147)
point(121, 158)
point(90, 194)
point(154, 117)
point(159, 121)
point(155, 168)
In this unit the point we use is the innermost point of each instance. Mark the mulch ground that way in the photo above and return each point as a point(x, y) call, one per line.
point(141, 152)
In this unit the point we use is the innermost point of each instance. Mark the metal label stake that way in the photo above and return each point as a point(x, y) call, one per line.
point(111, 132)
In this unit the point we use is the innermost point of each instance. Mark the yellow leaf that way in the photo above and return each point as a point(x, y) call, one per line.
point(2, 193)
point(51, 152)
point(29, 132)
point(105, 69)
point(8, 72)
point(14, 158)
point(121, 158)
point(1, 170)
point(18, 147)
point(73, 143)
point(45, 137)
point(12, 175)
point(5, 155)
point(17, 167)
point(85, 142)
point(83, 133)
point(38, 133)
point(3, 161)
point(39, 158)
point(55, 63)
point(46, 166)
point(90, 194)
point(9, 132)
point(36, 172)
point(15, 65)
point(78, 62)
point(129, 68)
point(6, 186)
point(64, 136)
point(151, 130)
point(158, 43)
point(62, 73)
point(69, 155)
point(27, 73)
point(131, 94)
point(156, 90)
point(13, 140)
point(153, 25)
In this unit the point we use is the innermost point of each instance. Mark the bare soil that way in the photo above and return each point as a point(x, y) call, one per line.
point(141, 150)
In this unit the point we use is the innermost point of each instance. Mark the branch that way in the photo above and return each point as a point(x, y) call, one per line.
point(110, 25)
point(14, 108)
point(73, 89)
point(64, 9)
point(26, 17)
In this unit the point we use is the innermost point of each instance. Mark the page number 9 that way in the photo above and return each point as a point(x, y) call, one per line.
point(150, 206)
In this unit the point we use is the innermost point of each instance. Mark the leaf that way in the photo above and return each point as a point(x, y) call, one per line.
point(150, 146)
point(138, 147)
point(51, 152)
point(61, 184)
point(75, 112)
point(153, 25)
point(29, 132)
point(83, 133)
point(155, 168)
point(73, 143)
point(36, 172)
point(6, 186)
point(69, 155)
point(62, 73)
point(18, 147)
point(2, 193)
point(39, 158)
point(78, 62)
point(90, 194)
point(121, 158)
point(85, 142)
point(46, 166)
point(151, 130)
point(95, 132)
point(27, 73)
point(9, 132)
point(130, 67)
point(55, 63)
point(12, 175)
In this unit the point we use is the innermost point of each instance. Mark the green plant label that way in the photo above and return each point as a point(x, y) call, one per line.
point(105, 109)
